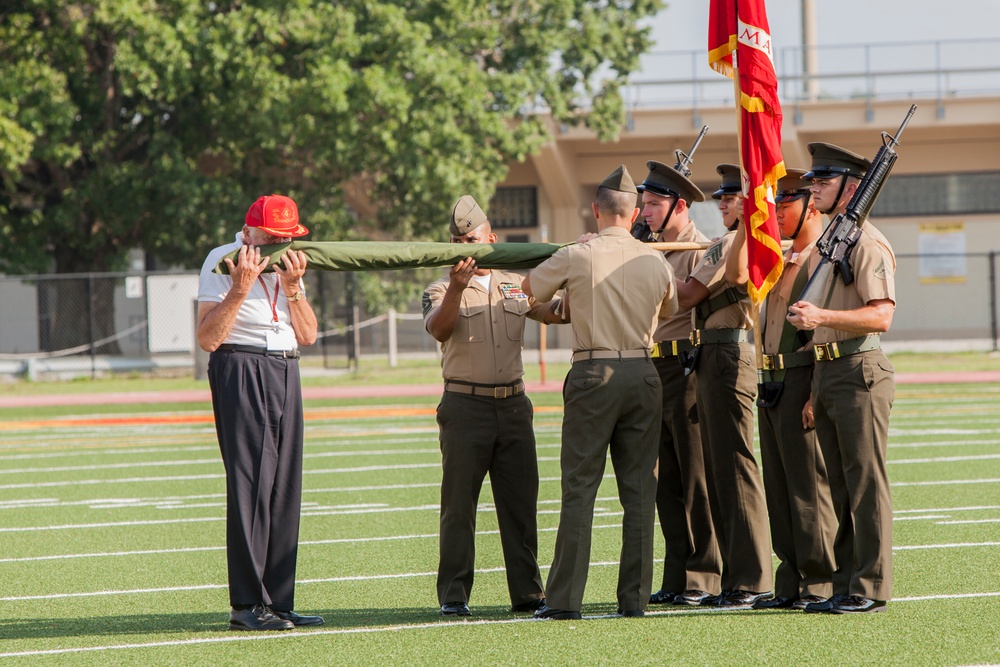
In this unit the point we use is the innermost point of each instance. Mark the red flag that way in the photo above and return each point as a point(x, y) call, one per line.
point(739, 41)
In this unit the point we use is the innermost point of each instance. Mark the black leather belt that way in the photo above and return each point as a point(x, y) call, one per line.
point(845, 348)
point(587, 355)
point(671, 348)
point(253, 349)
point(716, 336)
point(493, 391)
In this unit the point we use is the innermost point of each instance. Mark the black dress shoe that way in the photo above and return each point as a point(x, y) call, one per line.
point(455, 609)
point(298, 620)
point(735, 599)
point(691, 598)
point(662, 597)
point(824, 606)
point(856, 604)
point(546, 611)
point(779, 602)
point(530, 605)
point(258, 617)
point(714, 600)
point(802, 602)
point(631, 613)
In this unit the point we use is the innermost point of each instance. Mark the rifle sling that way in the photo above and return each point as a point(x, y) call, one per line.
point(726, 297)
point(789, 333)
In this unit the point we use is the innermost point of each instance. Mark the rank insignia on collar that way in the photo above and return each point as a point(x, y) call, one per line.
point(512, 291)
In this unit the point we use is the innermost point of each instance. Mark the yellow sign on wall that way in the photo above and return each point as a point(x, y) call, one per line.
point(942, 253)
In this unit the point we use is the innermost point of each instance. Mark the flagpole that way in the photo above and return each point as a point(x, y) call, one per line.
point(758, 342)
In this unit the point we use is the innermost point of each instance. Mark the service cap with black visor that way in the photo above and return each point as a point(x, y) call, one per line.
point(791, 187)
point(830, 162)
point(667, 182)
point(732, 184)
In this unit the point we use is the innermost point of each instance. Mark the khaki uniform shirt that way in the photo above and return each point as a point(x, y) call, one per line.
point(617, 286)
point(678, 325)
point(777, 301)
point(711, 272)
point(874, 266)
point(485, 347)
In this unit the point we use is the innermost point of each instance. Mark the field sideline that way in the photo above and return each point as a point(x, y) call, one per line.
point(113, 517)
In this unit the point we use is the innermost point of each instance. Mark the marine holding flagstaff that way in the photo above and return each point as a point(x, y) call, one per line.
point(691, 564)
point(853, 384)
point(727, 385)
point(619, 288)
point(799, 506)
point(485, 418)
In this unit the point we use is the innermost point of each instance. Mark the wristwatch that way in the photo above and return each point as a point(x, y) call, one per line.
point(298, 296)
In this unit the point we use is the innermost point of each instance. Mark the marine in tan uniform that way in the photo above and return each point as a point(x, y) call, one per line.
point(799, 506)
point(692, 565)
point(853, 389)
point(618, 288)
point(726, 388)
point(485, 418)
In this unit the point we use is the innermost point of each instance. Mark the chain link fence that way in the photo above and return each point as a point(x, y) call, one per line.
point(85, 324)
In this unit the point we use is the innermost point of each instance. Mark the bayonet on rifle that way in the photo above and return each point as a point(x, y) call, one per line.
point(686, 159)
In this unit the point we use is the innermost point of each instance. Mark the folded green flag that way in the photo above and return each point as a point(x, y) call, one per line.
point(379, 256)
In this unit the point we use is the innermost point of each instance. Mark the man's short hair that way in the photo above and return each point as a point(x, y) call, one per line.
point(615, 202)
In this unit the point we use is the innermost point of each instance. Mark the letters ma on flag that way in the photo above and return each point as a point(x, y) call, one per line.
point(739, 42)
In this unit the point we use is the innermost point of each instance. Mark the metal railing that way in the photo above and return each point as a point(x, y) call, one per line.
point(936, 70)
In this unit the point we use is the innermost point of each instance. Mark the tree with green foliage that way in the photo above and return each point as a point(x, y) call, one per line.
point(154, 124)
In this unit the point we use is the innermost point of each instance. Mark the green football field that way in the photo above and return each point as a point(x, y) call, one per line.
point(112, 522)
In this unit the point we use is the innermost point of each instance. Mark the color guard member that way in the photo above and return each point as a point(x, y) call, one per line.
point(853, 389)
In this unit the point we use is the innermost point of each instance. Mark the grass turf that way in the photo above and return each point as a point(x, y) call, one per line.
point(114, 553)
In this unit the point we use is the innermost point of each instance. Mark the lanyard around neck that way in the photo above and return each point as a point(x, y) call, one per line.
point(267, 295)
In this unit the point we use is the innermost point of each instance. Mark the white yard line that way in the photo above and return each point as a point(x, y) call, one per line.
point(400, 575)
point(458, 626)
point(316, 509)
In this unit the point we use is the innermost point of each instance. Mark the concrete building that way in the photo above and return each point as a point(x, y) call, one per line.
point(940, 208)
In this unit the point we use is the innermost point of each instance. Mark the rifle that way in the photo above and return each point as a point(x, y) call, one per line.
point(640, 229)
point(842, 234)
point(685, 159)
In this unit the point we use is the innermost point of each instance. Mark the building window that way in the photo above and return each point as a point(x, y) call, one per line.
point(513, 208)
point(939, 194)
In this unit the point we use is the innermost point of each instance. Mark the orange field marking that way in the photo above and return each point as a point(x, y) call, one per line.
point(330, 414)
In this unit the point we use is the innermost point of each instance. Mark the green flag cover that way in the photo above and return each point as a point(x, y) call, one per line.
point(379, 256)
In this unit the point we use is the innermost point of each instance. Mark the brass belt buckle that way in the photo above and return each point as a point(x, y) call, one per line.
point(768, 362)
point(500, 392)
point(826, 352)
point(695, 337)
point(657, 351)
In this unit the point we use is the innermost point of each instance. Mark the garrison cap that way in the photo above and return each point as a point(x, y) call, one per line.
point(668, 182)
point(466, 216)
point(791, 186)
point(619, 180)
point(732, 181)
point(829, 161)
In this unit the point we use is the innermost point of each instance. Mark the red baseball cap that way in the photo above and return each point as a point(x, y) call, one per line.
point(277, 215)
